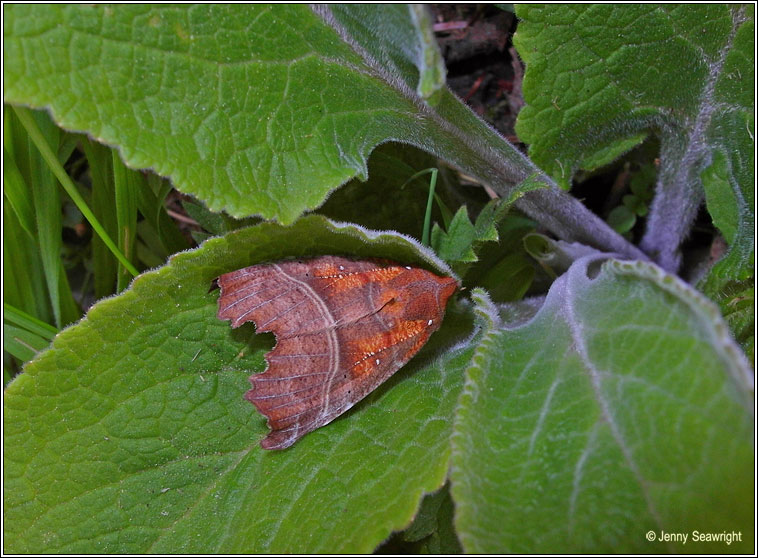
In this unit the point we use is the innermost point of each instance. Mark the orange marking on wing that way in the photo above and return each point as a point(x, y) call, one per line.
point(371, 348)
point(342, 279)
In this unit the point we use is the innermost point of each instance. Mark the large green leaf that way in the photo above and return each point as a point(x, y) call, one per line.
point(256, 109)
point(131, 433)
point(622, 407)
point(600, 78)
point(261, 109)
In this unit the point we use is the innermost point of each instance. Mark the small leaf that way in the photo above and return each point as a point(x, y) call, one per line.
point(621, 218)
point(509, 278)
point(462, 240)
point(103, 203)
point(127, 184)
point(737, 304)
point(642, 183)
point(634, 204)
point(432, 529)
point(30, 323)
point(455, 245)
point(151, 193)
point(23, 276)
point(485, 228)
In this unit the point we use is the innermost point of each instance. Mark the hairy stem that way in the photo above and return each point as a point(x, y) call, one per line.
point(447, 128)
point(679, 192)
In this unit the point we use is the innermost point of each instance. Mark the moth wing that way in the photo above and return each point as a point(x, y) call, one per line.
point(306, 387)
point(298, 297)
point(340, 333)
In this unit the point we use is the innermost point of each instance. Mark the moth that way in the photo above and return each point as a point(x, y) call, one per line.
point(342, 327)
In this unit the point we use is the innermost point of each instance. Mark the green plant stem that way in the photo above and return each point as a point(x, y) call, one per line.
point(428, 214)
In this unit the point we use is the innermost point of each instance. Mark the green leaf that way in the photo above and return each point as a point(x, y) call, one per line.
point(485, 228)
point(729, 180)
point(215, 223)
point(444, 540)
point(599, 81)
point(265, 109)
point(621, 218)
point(407, 46)
point(162, 230)
point(729, 192)
point(319, 108)
point(28, 132)
point(737, 305)
point(131, 434)
point(509, 278)
point(47, 206)
point(635, 205)
point(642, 182)
point(730, 199)
point(425, 522)
point(23, 277)
point(43, 148)
point(555, 256)
point(455, 244)
point(504, 268)
point(606, 83)
point(463, 238)
point(104, 263)
point(635, 416)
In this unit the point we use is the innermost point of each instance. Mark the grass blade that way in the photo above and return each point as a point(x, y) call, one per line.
point(51, 159)
point(19, 318)
point(126, 184)
point(16, 191)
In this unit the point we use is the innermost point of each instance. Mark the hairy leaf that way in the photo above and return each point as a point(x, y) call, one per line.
point(601, 78)
point(131, 434)
point(622, 407)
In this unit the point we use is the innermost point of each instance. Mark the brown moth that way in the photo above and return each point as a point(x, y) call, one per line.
point(342, 328)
